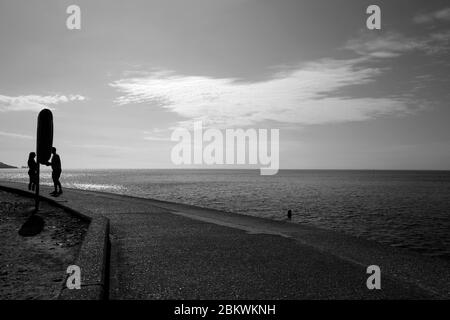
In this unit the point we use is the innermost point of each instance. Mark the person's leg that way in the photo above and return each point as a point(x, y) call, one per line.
point(60, 188)
point(34, 181)
point(58, 183)
point(55, 182)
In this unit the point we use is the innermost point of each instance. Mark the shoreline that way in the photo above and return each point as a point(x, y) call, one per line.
point(403, 210)
point(427, 273)
point(236, 169)
point(347, 247)
point(196, 209)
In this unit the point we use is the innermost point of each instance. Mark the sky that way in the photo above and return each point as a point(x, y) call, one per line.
point(341, 95)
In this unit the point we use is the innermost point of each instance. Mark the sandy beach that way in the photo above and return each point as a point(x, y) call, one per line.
point(35, 267)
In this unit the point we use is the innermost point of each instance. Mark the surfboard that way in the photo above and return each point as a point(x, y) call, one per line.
point(44, 141)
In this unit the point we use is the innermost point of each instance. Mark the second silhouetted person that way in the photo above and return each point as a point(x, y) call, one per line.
point(56, 172)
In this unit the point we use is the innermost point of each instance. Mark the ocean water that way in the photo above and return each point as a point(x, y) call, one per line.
point(408, 209)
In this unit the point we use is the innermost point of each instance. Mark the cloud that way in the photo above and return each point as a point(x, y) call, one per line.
point(305, 95)
point(34, 102)
point(440, 15)
point(157, 134)
point(15, 135)
point(106, 147)
point(392, 44)
point(387, 45)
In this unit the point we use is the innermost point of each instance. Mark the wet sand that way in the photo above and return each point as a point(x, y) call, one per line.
point(35, 267)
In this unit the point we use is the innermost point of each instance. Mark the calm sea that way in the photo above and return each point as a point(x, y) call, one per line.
point(401, 208)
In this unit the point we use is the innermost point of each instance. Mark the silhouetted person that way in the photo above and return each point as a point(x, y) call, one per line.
point(32, 171)
point(56, 172)
point(289, 214)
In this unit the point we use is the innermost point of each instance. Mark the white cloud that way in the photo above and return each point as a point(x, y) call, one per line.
point(157, 134)
point(153, 138)
point(307, 95)
point(392, 44)
point(442, 15)
point(15, 135)
point(34, 102)
point(94, 146)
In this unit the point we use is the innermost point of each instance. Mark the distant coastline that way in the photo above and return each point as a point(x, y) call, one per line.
point(6, 166)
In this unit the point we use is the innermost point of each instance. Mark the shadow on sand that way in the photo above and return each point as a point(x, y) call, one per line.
point(33, 226)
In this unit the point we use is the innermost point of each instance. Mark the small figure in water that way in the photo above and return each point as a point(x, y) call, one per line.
point(32, 171)
point(289, 214)
point(56, 172)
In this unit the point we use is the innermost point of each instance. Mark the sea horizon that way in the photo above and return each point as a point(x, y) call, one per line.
point(232, 168)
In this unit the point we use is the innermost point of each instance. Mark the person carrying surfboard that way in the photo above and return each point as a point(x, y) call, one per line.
point(32, 171)
point(56, 172)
